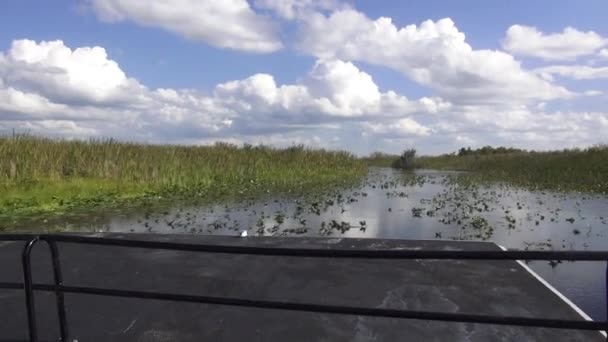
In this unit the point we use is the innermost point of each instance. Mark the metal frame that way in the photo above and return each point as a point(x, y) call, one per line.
point(60, 289)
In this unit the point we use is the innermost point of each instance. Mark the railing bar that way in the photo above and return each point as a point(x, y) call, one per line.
point(340, 253)
point(11, 286)
point(58, 278)
point(361, 311)
point(28, 289)
point(17, 237)
point(1, 340)
point(337, 253)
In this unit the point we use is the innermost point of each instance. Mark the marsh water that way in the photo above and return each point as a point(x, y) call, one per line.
point(423, 205)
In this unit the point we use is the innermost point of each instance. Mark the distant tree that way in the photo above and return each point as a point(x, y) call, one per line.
point(379, 155)
point(406, 159)
point(465, 151)
point(488, 150)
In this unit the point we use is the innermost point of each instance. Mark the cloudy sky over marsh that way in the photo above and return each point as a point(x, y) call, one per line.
point(355, 75)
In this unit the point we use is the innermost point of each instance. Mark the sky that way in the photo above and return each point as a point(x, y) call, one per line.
point(361, 76)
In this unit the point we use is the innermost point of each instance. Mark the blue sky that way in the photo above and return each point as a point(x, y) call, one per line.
point(531, 74)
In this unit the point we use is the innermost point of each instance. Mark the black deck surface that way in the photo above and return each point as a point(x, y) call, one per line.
point(478, 287)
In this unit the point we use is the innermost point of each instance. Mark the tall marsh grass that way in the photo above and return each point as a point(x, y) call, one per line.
point(380, 159)
point(43, 174)
point(584, 170)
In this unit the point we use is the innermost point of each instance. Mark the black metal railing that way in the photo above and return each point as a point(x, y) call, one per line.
point(60, 289)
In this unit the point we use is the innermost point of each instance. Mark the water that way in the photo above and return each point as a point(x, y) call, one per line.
point(426, 205)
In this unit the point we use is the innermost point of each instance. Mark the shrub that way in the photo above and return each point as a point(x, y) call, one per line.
point(406, 160)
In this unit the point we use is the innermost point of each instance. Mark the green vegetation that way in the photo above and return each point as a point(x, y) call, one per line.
point(49, 177)
point(487, 150)
point(380, 159)
point(584, 170)
point(406, 160)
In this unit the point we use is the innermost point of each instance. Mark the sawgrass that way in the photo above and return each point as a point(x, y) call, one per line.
point(40, 175)
point(583, 170)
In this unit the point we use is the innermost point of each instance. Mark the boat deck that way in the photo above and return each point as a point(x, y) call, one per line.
point(464, 286)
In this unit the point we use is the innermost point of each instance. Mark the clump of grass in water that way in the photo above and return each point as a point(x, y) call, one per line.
point(39, 175)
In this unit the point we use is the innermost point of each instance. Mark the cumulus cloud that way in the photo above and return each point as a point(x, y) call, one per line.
point(225, 24)
point(333, 93)
point(577, 72)
point(519, 126)
point(434, 54)
point(16, 101)
point(333, 88)
point(567, 45)
point(400, 128)
point(46, 83)
point(82, 92)
point(593, 93)
point(603, 53)
point(79, 75)
point(89, 92)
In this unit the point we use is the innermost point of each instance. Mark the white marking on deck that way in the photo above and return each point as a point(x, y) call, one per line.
point(130, 326)
point(554, 290)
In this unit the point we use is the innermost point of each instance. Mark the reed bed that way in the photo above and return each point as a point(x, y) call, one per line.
point(583, 170)
point(44, 175)
point(379, 159)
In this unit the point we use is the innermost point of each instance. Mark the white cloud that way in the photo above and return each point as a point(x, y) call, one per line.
point(54, 128)
point(593, 93)
point(79, 75)
point(434, 54)
point(397, 129)
point(603, 53)
point(225, 24)
point(346, 89)
point(334, 105)
point(566, 128)
point(517, 126)
point(333, 88)
point(16, 101)
point(84, 88)
point(567, 45)
point(577, 72)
